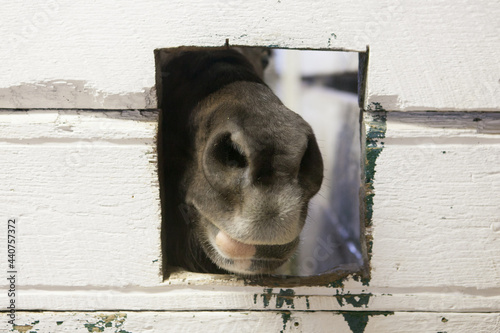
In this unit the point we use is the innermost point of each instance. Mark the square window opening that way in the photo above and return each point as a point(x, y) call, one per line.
point(325, 88)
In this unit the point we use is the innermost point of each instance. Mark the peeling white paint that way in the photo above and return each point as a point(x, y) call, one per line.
point(439, 56)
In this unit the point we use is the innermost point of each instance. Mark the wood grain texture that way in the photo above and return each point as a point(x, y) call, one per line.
point(423, 55)
point(192, 297)
point(254, 322)
point(437, 202)
point(84, 187)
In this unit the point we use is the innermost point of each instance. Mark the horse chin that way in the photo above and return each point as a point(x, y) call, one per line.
point(264, 260)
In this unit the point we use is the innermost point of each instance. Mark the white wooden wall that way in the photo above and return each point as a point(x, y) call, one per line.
point(83, 182)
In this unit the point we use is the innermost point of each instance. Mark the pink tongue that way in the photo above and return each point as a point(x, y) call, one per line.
point(233, 248)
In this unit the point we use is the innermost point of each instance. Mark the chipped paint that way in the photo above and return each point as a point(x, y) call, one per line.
point(288, 296)
point(115, 321)
point(73, 94)
point(22, 328)
point(332, 35)
point(357, 320)
point(285, 316)
point(93, 327)
point(336, 284)
point(285, 296)
point(266, 296)
point(375, 122)
point(357, 301)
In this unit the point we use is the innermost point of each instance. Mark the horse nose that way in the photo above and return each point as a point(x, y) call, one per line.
point(233, 161)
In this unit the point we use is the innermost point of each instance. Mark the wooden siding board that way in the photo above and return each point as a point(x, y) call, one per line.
point(423, 56)
point(254, 322)
point(84, 188)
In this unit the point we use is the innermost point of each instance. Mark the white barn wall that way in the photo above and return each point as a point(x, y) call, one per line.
point(84, 185)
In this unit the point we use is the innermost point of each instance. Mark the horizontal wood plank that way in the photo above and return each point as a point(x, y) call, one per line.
point(61, 54)
point(190, 297)
point(436, 203)
point(84, 188)
point(254, 322)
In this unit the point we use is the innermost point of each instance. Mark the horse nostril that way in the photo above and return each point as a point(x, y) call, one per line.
point(224, 163)
point(311, 166)
point(229, 153)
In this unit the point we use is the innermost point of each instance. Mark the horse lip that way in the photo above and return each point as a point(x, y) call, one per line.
point(246, 266)
point(215, 229)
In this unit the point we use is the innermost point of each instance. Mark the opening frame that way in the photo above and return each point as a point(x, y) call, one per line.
point(172, 274)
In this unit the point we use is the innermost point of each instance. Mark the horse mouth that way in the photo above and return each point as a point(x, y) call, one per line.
point(242, 258)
